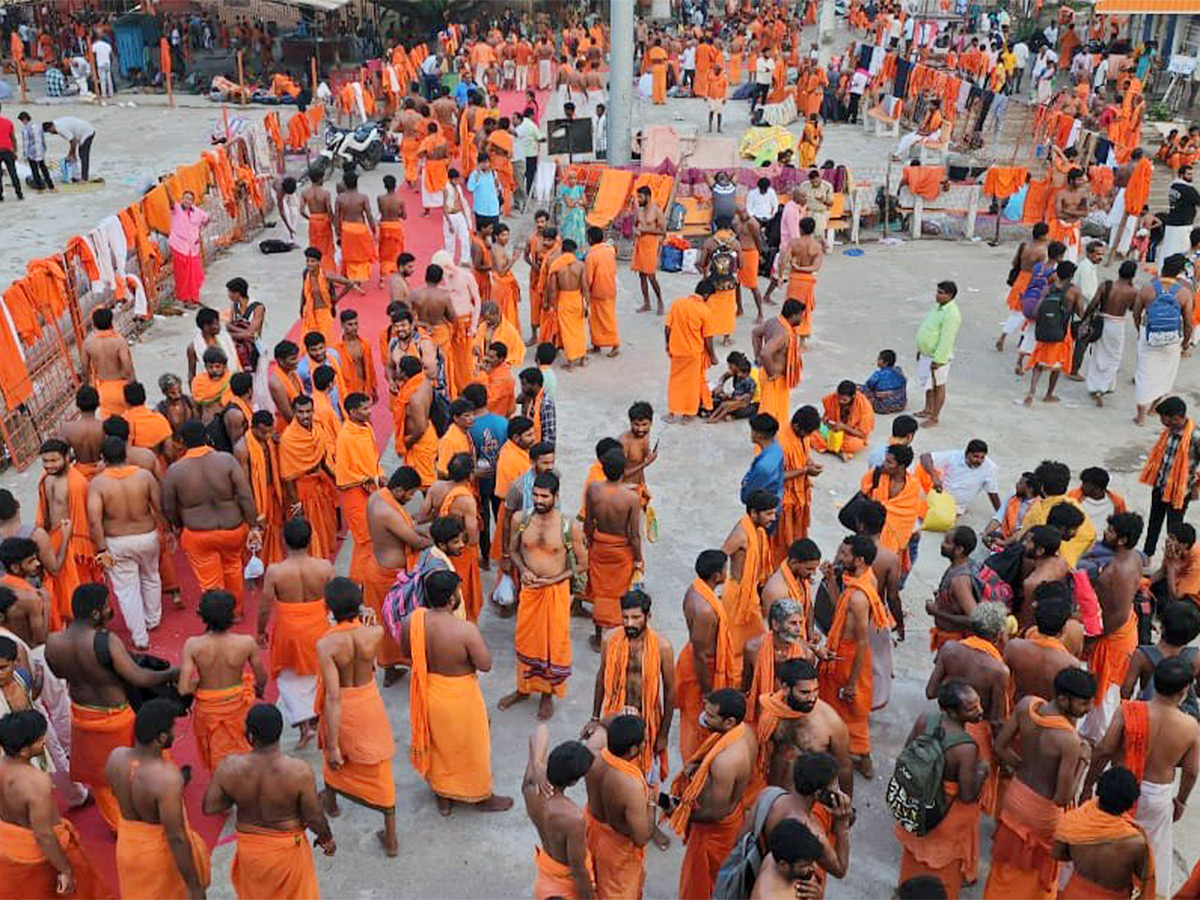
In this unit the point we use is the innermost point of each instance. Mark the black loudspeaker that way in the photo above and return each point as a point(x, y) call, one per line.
point(569, 136)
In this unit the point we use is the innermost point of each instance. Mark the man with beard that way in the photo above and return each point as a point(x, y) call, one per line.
point(793, 579)
point(957, 592)
point(765, 654)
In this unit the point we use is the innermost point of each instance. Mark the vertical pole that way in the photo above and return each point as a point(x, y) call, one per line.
point(620, 83)
point(313, 61)
point(241, 80)
point(826, 22)
point(21, 79)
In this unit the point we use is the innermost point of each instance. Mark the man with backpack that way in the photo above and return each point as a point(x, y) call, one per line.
point(1162, 315)
point(936, 791)
point(1053, 348)
point(720, 260)
point(1035, 288)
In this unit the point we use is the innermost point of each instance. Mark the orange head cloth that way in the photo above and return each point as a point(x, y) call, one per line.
point(1089, 824)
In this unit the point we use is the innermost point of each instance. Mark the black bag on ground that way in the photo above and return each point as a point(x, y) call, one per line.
point(274, 245)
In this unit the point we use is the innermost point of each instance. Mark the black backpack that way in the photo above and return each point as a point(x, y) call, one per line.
point(916, 794)
point(1050, 322)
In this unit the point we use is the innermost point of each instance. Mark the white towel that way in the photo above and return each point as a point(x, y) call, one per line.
point(1096, 722)
point(297, 695)
point(1156, 813)
point(141, 306)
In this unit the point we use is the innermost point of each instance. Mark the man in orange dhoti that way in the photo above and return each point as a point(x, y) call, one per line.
point(847, 412)
point(846, 679)
point(391, 227)
point(690, 349)
point(451, 741)
point(706, 662)
point(320, 224)
point(355, 734)
point(416, 440)
point(307, 476)
point(600, 275)
point(318, 303)
point(750, 565)
point(709, 816)
point(106, 362)
point(455, 497)
point(656, 61)
point(1083, 833)
point(358, 251)
point(795, 511)
point(62, 495)
point(650, 224)
point(1054, 352)
point(777, 347)
point(357, 474)
point(432, 152)
point(258, 453)
point(904, 505)
point(566, 306)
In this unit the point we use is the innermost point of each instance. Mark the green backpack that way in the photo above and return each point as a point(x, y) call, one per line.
point(916, 795)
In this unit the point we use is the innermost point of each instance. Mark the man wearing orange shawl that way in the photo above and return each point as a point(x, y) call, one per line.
point(534, 253)
point(62, 495)
point(451, 741)
point(1083, 835)
point(707, 661)
point(846, 411)
point(1170, 470)
point(210, 387)
point(690, 350)
point(709, 816)
point(777, 347)
point(656, 63)
point(457, 499)
point(357, 474)
point(318, 304)
point(795, 511)
point(847, 683)
point(354, 731)
point(1130, 200)
point(495, 327)
point(307, 477)
point(416, 440)
point(902, 497)
point(499, 147)
point(147, 428)
point(574, 876)
point(764, 654)
point(750, 565)
point(258, 453)
point(457, 438)
point(950, 850)
point(1040, 743)
point(600, 274)
point(512, 463)
point(357, 359)
point(320, 222)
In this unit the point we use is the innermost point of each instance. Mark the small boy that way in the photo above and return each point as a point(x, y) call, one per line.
point(737, 400)
point(887, 388)
point(544, 356)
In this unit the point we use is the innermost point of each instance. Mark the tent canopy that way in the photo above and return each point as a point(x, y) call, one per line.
point(1157, 7)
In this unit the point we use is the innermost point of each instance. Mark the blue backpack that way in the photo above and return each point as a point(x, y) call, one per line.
point(1164, 319)
point(1039, 278)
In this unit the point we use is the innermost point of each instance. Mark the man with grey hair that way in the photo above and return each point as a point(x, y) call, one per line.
point(765, 653)
point(977, 660)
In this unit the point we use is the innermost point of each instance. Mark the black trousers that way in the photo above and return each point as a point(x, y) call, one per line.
point(531, 164)
point(852, 111)
point(1159, 510)
point(488, 508)
point(85, 157)
point(40, 174)
point(9, 160)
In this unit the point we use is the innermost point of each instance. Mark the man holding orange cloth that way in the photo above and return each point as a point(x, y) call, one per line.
point(689, 346)
point(276, 799)
point(416, 439)
point(451, 741)
point(709, 813)
point(567, 302)
point(600, 277)
point(357, 475)
point(164, 858)
point(777, 350)
point(356, 736)
point(706, 662)
point(847, 412)
point(40, 853)
point(307, 475)
point(258, 454)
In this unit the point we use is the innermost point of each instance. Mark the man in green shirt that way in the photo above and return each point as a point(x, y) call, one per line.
point(935, 349)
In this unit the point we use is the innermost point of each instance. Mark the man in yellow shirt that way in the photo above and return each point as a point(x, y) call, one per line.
point(1054, 479)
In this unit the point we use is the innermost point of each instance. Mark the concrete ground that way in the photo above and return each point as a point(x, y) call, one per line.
point(864, 304)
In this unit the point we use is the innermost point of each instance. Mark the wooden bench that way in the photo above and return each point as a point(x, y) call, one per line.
point(876, 121)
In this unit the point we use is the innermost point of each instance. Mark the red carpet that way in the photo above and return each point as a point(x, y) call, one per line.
point(423, 238)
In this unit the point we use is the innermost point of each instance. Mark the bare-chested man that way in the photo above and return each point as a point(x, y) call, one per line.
point(1029, 254)
point(409, 340)
point(1040, 744)
point(392, 214)
point(799, 262)
point(566, 299)
point(764, 654)
point(957, 593)
point(749, 554)
point(316, 206)
point(888, 569)
point(773, 345)
point(650, 224)
point(793, 579)
point(123, 517)
point(1042, 565)
point(276, 800)
point(706, 662)
point(1109, 856)
point(562, 855)
point(62, 498)
point(158, 855)
point(1071, 205)
point(355, 227)
point(85, 432)
point(750, 238)
point(432, 307)
point(639, 453)
point(1112, 304)
point(1035, 659)
point(207, 499)
point(358, 740)
point(213, 667)
point(50, 557)
point(398, 288)
point(612, 516)
point(101, 717)
point(409, 122)
point(107, 364)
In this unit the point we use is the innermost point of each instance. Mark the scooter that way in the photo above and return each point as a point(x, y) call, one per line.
point(361, 147)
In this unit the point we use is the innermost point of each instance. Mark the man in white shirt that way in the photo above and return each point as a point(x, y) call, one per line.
point(762, 203)
point(525, 151)
point(103, 52)
point(764, 72)
point(858, 87)
point(600, 132)
point(689, 64)
point(1021, 52)
point(1087, 273)
point(963, 474)
point(79, 135)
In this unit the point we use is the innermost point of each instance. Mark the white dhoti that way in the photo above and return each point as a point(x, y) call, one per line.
point(1096, 722)
point(1156, 370)
point(297, 696)
point(906, 142)
point(1104, 356)
point(1116, 216)
point(456, 230)
point(1176, 239)
point(1028, 338)
point(545, 72)
point(429, 199)
point(1156, 814)
point(881, 666)
point(1015, 322)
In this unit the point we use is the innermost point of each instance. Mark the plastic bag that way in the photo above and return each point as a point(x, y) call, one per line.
point(942, 512)
point(254, 568)
point(651, 524)
point(503, 593)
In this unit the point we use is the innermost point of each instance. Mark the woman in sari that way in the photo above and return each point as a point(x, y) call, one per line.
point(571, 214)
point(810, 143)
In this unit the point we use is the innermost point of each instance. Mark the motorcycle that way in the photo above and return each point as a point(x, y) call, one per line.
point(361, 147)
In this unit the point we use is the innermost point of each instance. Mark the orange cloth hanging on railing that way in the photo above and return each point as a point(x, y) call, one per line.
point(47, 284)
point(1101, 180)
point(247, 177)
point(1004, 181)
point(156, 206)
point(22, 309)
point(78, 245)
point(271, 123)
point(222, 172)
point(193, 179)
point(1035, 201)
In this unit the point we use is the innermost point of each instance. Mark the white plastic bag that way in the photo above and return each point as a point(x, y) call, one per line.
point(254, 568)
point(503, 593)
point(689, 260)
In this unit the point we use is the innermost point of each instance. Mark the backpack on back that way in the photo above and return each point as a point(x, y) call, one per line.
point(916, 795)
point(1050, 323)
point(1164, 320)
point(1039, 277)
point(739, 871)
point(722, 262)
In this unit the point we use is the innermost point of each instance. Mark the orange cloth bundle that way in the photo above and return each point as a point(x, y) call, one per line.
point(612, 194)
point(276, 864)
point(157, 209)
point(924, 181)
point(1004, 181)
point(1036, 201)
point(146, 868)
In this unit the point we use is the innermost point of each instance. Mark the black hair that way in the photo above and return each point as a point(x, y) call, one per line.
point(568, 762)
point(1075, 683)
point(710, 562)
point(624, 733)
point(813, 772)
point(155, 717)
point(343, 598)
point(297, 533)
point(264, 724)
point(217, 609)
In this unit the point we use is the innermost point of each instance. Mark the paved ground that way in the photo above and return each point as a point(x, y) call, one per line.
point(864, 304)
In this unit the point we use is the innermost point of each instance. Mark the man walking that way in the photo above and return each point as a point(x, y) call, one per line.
point(935, 349)
point(8, 155)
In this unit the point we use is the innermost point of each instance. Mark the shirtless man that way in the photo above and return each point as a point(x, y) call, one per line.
point(431, 304)
point(1034, 661)
point(958, 591)
point(567, 293)
point(817, 729)
point(391, 209)
point(888, 568)
point(1154, 738)
point(276, 800)
point(352, 211)
point(750, 239)
point(106, 362)
point(803, 255)
point(784, 641)
point(1029, 254)
point(1040, 745)
point(1071, 205)
point(398, 281)
point(352, 707)
point(635, 444)
point(27, 614)
point(771, 342)
point(316, 207)
point(149, 790)
point(410, 122)
point(1104, 356)
point(11, 526)
point(793, 579)
point(408, 340)
point(444, 110)
point(612, 526)
point(1108, 855)
point(745, 617)
point(1044, 565)
point(123, 517)
point(207, 499)
point(558, 819)
point(85, 432)
point(650, 223)
point(283, 384)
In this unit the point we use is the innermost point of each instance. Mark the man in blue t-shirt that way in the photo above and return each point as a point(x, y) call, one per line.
point(488, 434)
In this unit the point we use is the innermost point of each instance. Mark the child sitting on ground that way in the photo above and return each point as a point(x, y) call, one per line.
point(887, 388)
point(734, 396)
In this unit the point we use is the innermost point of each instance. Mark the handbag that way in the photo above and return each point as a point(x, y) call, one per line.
point(1015, 272)
point(848, 514)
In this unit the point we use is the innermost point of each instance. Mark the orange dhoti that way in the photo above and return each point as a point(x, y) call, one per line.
point(112, 396)
point(293, 650)
point(836, 674)
point(950, 852)
point(689, 702)
point(146, 869)
point(506, 293)
point(354, 518)
point(376, 582)
point(572, 324)
point(365, 739)
point(62, 583)
point(802, 286)
point(722, 307)
point(391, 245)
point(358, 251)
point(748, 269)
point(317, 497)
point(1023, 863)
point(412, 163)
point(458, 375)
point(687, 390)
point(460, 744)
point(610, 572)
point(25, 872)
point(1017, 289)
point(554, 879)
point(320, 235)
point(543, 639)
point(658, 83)
point(276, 864)
point(1052, 355)
point(318, 319)
point(466, 564)
point(220, 721)
point(645, 254)
point(422, 455)
point(981, 733)
point(775, 400)
point(216, 558)
point(95, 732)
point(620, 863)
point(708, 843)
point(602, 322)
